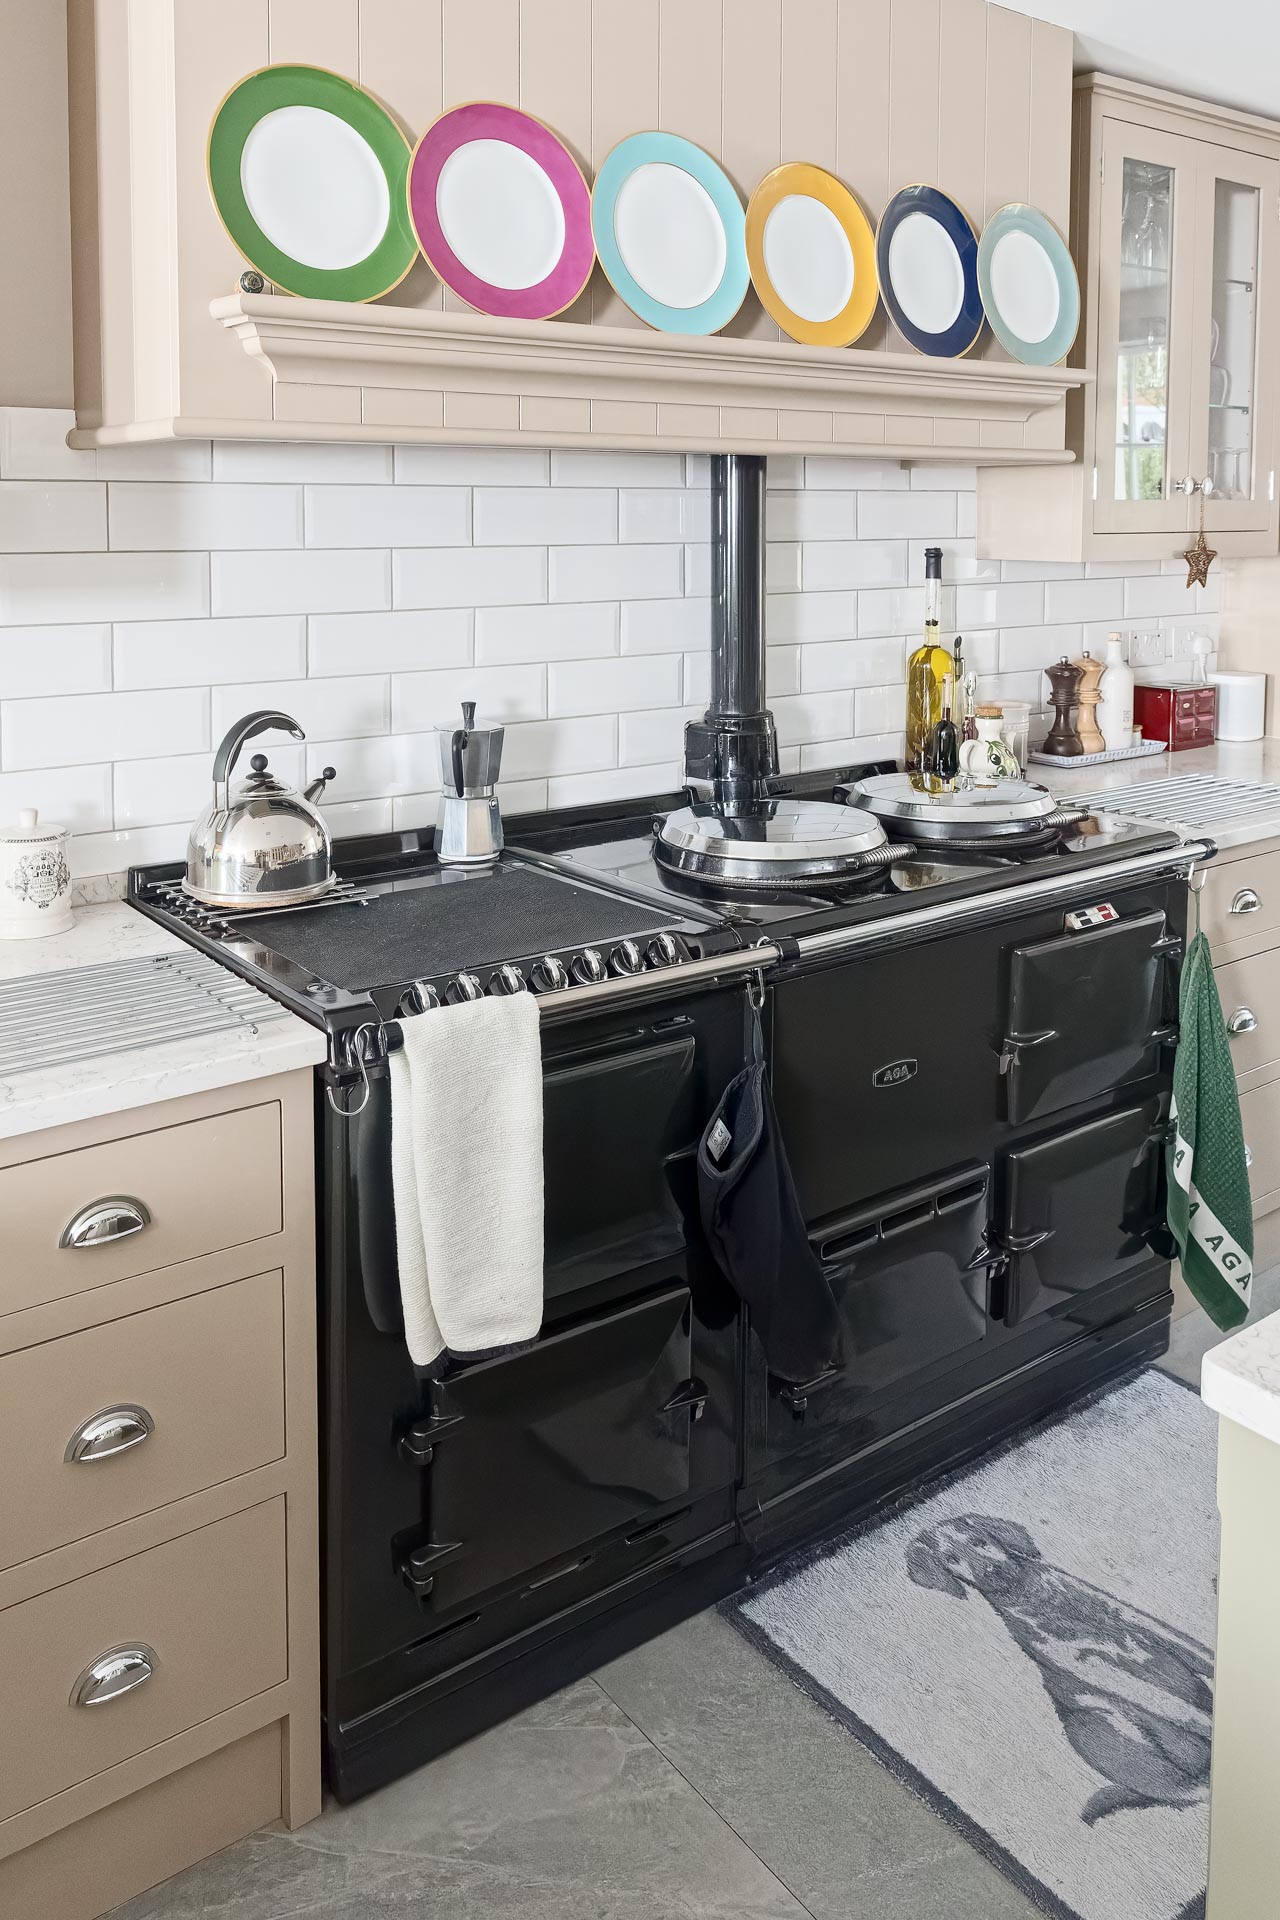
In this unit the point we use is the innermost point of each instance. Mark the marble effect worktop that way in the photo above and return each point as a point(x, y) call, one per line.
point(1241, 1377)
point(1252, 760)
point(137, 1076)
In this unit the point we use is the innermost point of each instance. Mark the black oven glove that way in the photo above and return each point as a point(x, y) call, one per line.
point(755, 1228)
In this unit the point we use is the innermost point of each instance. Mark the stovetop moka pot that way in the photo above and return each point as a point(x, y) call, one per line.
point(470, 821)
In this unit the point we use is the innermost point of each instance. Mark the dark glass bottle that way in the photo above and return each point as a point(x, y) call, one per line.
point(945, 748)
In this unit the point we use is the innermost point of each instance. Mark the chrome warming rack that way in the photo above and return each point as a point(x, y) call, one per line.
point(58, 1018)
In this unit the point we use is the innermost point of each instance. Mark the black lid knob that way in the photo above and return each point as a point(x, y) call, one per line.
point(259, 763)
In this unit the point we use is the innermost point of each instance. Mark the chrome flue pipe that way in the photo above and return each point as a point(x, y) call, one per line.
point(733, 750)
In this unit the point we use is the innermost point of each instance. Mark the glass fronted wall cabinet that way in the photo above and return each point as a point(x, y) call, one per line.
point(1175, 229)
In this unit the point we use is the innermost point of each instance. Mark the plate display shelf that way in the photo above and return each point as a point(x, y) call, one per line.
point(368, 372)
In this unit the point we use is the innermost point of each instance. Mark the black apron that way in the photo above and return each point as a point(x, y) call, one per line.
point(752, 1220)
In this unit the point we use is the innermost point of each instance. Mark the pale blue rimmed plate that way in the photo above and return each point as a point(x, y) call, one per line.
point(1029, 285)
point(670, 232)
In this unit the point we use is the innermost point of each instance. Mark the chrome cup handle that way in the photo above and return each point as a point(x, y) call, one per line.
point(116, 1672)
point(107, 1434)
point(229, 751)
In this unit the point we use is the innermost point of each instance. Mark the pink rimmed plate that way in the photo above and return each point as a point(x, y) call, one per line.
point(501, 211)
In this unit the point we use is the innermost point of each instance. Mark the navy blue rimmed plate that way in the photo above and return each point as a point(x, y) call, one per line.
point(927, 259)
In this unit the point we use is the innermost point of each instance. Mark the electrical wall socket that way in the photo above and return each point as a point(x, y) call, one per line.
point(1146, 649)
point(1182, 647)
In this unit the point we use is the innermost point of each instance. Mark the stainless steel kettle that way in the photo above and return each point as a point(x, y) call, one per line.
point(261, 843)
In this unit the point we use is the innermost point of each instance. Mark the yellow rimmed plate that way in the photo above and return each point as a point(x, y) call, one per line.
point(812, 252)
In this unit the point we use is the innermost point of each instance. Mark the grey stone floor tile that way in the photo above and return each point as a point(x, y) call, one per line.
point(565, 1812)
point(813, 1803)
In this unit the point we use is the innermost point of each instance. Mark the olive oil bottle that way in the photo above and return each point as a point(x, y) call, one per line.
point(929, 671)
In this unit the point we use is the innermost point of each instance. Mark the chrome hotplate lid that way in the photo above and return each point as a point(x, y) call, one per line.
point(1005, 807)
point(782, 839)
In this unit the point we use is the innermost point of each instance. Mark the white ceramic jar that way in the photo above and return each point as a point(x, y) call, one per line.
point(35, 880)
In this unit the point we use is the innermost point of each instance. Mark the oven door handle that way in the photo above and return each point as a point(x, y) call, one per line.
point(796, 1393)
point(1015, 1044)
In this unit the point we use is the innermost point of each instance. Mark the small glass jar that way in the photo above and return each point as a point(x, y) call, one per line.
point(1015, 728)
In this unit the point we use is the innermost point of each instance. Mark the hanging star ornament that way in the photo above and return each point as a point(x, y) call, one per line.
point(1199, 559)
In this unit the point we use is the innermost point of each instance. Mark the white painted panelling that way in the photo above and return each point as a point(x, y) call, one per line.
point(615, 573)
point(201, 653)
point(50, 516)
point(406, 642)
point(467, 577)
point(422, 700)
point(65, 587)
point(568, 594)
point(35, 660)
point(541, 516)
point(512, 634)
point(80, 728)
point(327, 709)
point(388, 517)
point(196, 519)
point(612, 686)
point(309, 581)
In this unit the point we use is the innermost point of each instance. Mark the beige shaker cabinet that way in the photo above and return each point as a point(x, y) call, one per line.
point(1176, 233)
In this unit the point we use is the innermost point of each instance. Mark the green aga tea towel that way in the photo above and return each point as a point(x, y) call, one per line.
point(1210, 1210)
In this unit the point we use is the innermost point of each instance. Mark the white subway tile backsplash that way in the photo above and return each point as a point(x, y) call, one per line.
point(541, 516)
point(324, 709)
point(37, 660)
point(407, 642)
point(563, 632)
point(200, 653)
point(616, 573)
point(470, 577)
point(473, 466)
point(585, 467)
point(369, 592)
point(423, 700)
point(310, 580)
point(78, 729)
point(36, 589)
point(664, 513)
point(830, 565)
point(44, 516)
point(665, 626)
point(612, 686)
point(296, 463)
point(155, 518)
point(906, 515)
point(387, 516)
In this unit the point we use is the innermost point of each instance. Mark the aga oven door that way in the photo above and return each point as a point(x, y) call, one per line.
point(909, 1274)
point(527, 1459)
point(1082, 1209)
point(1086, 1012)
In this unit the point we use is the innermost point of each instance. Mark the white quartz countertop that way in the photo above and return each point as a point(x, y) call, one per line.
point(1241, 1377)
point(1256, 761)
point(111, 1083)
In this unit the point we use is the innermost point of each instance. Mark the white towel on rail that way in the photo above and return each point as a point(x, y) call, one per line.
point(466, 1168)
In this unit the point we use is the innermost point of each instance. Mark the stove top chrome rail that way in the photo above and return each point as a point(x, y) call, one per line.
point(1003, 901)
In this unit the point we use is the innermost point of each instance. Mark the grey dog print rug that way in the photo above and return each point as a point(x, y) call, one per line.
point(1031, 1649)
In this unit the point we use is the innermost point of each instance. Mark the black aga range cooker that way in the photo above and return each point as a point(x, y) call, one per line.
point(969, 1035)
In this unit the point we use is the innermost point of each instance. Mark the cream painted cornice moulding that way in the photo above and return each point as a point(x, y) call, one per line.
point(378, 372)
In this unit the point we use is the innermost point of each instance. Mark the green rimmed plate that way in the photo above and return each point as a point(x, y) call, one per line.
point(1029, 286)
point(307, 172)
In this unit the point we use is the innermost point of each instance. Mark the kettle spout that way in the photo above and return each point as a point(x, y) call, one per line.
point(313, 791)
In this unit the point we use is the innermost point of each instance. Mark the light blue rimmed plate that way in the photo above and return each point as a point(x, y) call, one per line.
point(670, 232)
point(1029, 286)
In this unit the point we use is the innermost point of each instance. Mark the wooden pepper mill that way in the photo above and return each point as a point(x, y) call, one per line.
point(1063, 740)
point(1091, 672)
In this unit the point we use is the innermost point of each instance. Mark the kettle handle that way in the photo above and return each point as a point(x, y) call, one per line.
point(229, 752)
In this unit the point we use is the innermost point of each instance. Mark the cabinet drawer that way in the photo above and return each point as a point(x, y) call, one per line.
point(207, 1612)
point(188, 1190)
point(1260, 1116)
point(1227, 906)
point(1250, 989)
point(193, 1393)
